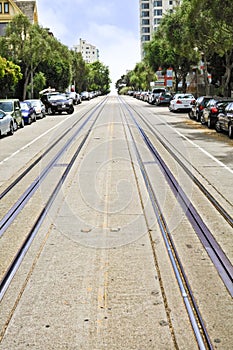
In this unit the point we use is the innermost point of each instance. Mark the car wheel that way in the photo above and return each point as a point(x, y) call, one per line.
point(190, 114)
point(71, 110)
point(11, 131)
point(50, 112)
point(230, 131)
point(202, 120)
point(198, 117)
point(209, 123)
point(217, 127)
point(22, 123)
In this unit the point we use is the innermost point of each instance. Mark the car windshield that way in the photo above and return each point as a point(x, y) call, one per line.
point(24, 105)
point(57, 97)
point(6, 106)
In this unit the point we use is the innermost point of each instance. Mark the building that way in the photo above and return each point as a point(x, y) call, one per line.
point(151, 12)
point(89, 52)
point(11, 8)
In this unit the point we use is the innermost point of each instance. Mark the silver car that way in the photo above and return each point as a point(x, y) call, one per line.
point(6, 124)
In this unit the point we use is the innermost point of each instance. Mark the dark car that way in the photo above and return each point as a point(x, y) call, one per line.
point(198, 107)
point(57, 103)
point(225, 120)
point(28, 112)
point(210, 112)
point(163, 98)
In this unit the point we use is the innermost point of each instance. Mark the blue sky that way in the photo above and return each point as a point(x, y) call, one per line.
point(111, 26)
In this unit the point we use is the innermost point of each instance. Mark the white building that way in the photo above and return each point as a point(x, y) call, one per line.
point(151, 12)
point(89, 52)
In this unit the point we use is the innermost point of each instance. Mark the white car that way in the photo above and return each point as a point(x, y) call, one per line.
point(181, 102)
point(6, 124)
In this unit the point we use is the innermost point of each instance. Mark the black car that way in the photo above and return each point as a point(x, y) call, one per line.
point(210, 113)
point(225, 120)
point(57, 103)
point(198, 107)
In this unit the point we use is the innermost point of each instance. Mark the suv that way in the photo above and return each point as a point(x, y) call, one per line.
point(198, 107)
point(154, 94)
point(56, 102)
point(12, 107)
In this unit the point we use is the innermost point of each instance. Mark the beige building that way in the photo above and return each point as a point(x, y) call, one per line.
point(89, 52)
point(10, 8)
point(151, 13)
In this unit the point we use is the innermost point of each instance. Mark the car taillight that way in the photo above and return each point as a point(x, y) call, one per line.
point(214, 110)
point(161, 98)
point(201, 107)
point(179, 101)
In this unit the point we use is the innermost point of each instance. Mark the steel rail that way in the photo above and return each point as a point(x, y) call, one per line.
point(26, 171)
point(208, 195)
point(8, 276)
point(196, 320)
point(6, 221)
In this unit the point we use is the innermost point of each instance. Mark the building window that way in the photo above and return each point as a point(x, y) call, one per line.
point(157, 21)
point(170, 2)
point(6, 7)
point(158, 3)
point(0, 7)
point(145, 14)
point(145, 37)
point(145, 30)
point(145, 22)
point(145, 6)
point(158, 12)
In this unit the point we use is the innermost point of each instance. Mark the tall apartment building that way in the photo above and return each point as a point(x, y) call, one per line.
point(89, 52)
point(151, 12)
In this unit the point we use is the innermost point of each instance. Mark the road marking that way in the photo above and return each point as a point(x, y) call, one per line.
point(36, 139)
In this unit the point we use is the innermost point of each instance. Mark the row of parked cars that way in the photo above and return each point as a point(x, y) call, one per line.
point(213, 111)
point(15, 114)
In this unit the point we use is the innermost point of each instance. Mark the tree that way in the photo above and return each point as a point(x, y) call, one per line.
point(9, 76)
point(25, 44)
point(98, 77)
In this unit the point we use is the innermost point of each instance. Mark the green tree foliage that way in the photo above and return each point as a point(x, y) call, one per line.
point(98, 77)
point(26, 45)
point(9, 76)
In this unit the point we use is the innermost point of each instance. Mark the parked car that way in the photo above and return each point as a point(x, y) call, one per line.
point(39, 107)
point(12, 107)
point(181, 102)
point(57, 103)
point(225, 120)
point(6, 124)
point(210, 113)
point(154, 94)
point(198, 107)
point(85, 96)
point(76, 98)
point(28, 112)
point(163, 98)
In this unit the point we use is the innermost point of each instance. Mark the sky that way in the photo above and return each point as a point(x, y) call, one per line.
point(110, 25)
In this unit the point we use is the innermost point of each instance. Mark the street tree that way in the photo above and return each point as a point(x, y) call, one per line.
point(10, 74)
